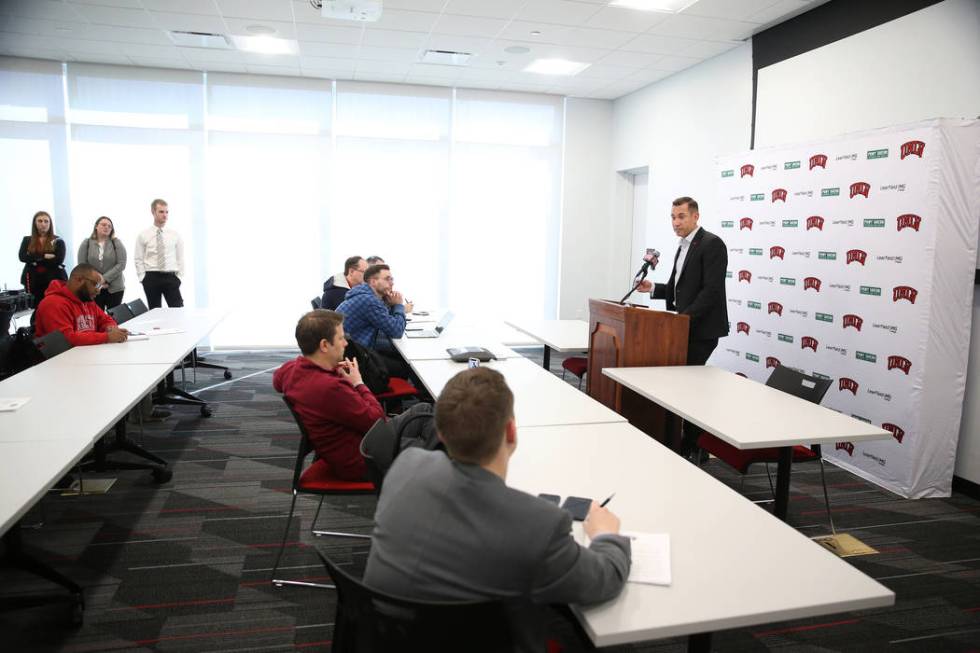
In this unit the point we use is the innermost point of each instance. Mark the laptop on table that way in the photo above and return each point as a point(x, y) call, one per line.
point(431, 333)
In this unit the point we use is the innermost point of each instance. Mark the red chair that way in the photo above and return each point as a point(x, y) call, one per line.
point(315, 479)
point(398, 389)
point(577, 365)
point(800, 385)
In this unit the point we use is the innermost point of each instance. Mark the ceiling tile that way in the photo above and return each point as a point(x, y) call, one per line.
point(327, 73)
point(329, 33)
point(379, 77)
point(259, 69)
point(420, 5)
point(386, 67)
point(122, 34)
point(784, 10)
point(260, 59)
point(128, 4)
point(220, 67)
point(206, 55)
point(79, 46)
point(595, 38)
point(51, 55)
point(189, 22)
point(370, 52)
point(395, 38)
point(708, 49)
point(256, 9)
point(240, 27)
point(672, 63)
point(151, 51)
point(494, 9)
point(627, 20)
point(630, 59)
point(411, 21)
point(607, 72)
point(657, 44)
point(180, 6)
point(572, 53)
point(468, 25)
point(338, 50)
point(103, 58)
point(153, 62)
point(740, 10)
point(558, 12)
point(330, 63)
point(459, 43)
point(117, 16)
point(520, 30)
point(24, 42)
point(435, 71)
point(708, 29)
point(649, 76)
point(41, 9)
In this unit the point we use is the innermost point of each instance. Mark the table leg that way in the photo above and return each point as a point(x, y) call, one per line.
point(15, 556)
point(782, 481)
point(699, 643)
point(547, 358)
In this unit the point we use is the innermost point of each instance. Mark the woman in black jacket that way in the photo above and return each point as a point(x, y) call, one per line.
point(43, 254)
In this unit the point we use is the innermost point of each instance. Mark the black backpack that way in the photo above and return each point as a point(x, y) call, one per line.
point(374, 372)
point(416, 427)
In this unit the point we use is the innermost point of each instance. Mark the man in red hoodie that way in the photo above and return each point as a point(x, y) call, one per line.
point(68, 307)
point(327, 393)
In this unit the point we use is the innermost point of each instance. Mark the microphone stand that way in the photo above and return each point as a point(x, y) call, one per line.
point(640, 276)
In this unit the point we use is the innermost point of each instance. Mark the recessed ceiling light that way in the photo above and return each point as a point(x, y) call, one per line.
point(266, 45)
point(666, 6)
point(556, 67)
point(260, 30)
point(517, 49)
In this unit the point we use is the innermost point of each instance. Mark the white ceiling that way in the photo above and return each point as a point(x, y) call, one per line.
point(627, 49)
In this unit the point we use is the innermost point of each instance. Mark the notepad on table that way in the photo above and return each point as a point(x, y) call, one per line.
point(133, 335)
point(651, 558)
point(9, 404)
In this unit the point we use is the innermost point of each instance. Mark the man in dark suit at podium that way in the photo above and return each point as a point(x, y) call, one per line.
point(696, 287)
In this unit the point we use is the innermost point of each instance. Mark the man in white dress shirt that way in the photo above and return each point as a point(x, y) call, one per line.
point(159, 259)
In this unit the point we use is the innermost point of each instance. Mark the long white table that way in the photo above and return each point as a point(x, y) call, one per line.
point(744, 413)
point(729, 560)
point(435, 348)
point(557, 335)
point(540, 398)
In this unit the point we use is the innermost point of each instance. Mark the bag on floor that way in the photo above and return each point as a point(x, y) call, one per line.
point(374, 371)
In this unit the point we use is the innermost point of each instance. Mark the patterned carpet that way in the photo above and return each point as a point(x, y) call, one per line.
point(185, 566)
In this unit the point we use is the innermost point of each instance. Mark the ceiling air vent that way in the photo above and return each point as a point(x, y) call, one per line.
point(446, 57)
point(200, 40)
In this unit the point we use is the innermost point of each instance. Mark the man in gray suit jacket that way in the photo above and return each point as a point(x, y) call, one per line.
point(449, 528)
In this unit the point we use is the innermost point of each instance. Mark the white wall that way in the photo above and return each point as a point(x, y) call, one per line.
point(676, 128)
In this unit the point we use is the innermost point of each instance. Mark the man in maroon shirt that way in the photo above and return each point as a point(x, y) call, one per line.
point(327, 393)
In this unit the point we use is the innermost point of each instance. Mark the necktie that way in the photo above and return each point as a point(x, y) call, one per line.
point(161, 254)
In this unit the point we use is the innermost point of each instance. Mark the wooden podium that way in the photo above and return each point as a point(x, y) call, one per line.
point(634, 336)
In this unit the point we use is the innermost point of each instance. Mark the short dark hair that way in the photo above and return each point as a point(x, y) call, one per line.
point(351, 264)
point(375, 260)
point(315, 326)
point(83, 269)
point(374, 270)
point(691, 204)
point(472, 413)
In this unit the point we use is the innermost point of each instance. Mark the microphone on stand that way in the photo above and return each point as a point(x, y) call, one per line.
point(650, 260)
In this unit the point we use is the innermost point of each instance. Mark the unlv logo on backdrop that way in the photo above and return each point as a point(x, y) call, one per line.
point(860, 188)
point(745, 275)
point(858, 255)
point(772, 361)
point(776, 307)
point(904, 292)
point(742, 327)
point(896, 431)
point(851, 320)
point(913, 147)
point(807, 341)
point(900, 362)
point(847, 384)
point(811, 282)
point(779, 194)
point(775, 251)
point(747, 170)
point(846, 446)
point(818, 160)
point(814, 222)
point(909, 220)
point(745, 223)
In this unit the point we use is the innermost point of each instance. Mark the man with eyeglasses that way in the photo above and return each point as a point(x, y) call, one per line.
point(70, 308)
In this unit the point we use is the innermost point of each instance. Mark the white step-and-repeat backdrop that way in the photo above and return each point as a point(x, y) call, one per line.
point(854, 259)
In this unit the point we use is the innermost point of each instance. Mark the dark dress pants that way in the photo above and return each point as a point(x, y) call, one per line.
point(162, 284)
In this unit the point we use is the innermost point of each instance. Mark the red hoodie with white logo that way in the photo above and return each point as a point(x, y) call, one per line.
point(83, 323)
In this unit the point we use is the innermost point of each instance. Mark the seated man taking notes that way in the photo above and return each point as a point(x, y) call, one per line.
point(70, 308)
point(449, 528)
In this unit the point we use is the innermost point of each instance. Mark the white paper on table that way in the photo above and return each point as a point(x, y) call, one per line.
point(162, 332)
point(136, 336)
point(651, 558)
point(9, 404)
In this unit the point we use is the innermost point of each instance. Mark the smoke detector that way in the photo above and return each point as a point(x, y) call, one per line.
point(367, 11)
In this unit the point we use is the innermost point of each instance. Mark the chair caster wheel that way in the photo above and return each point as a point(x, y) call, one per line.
point(205, 411)
point(227, 374)
point(162, 475)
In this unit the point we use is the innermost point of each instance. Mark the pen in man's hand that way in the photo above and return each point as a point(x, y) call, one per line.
point(608, 499)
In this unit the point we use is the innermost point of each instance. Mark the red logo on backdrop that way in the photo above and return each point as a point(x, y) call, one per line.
point(745, 275)
point(895, 429)
point(846, 446)
point(779, 194)
point(747, 170)
point(847, 384)
point(811, 282)
point(851, 320)
point(742, 327)
point(775, 251)
point(818, 160)
point(772, 361)
point(858, 255)
point(745, 223)
point(776, 307)
point(807, 341)
point(909, 220)
point(900, 362)
point(913, 147)
point(904, 292)
point(860, 188)
point(814, 222)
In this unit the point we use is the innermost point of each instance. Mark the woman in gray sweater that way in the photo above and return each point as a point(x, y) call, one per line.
point(107, 253)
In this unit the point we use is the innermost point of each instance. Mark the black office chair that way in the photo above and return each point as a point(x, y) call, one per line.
point(380, 447)
point(121, 313)
point(316, 302)
point(137, 307)
point(52, 344)
point(367, 620)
